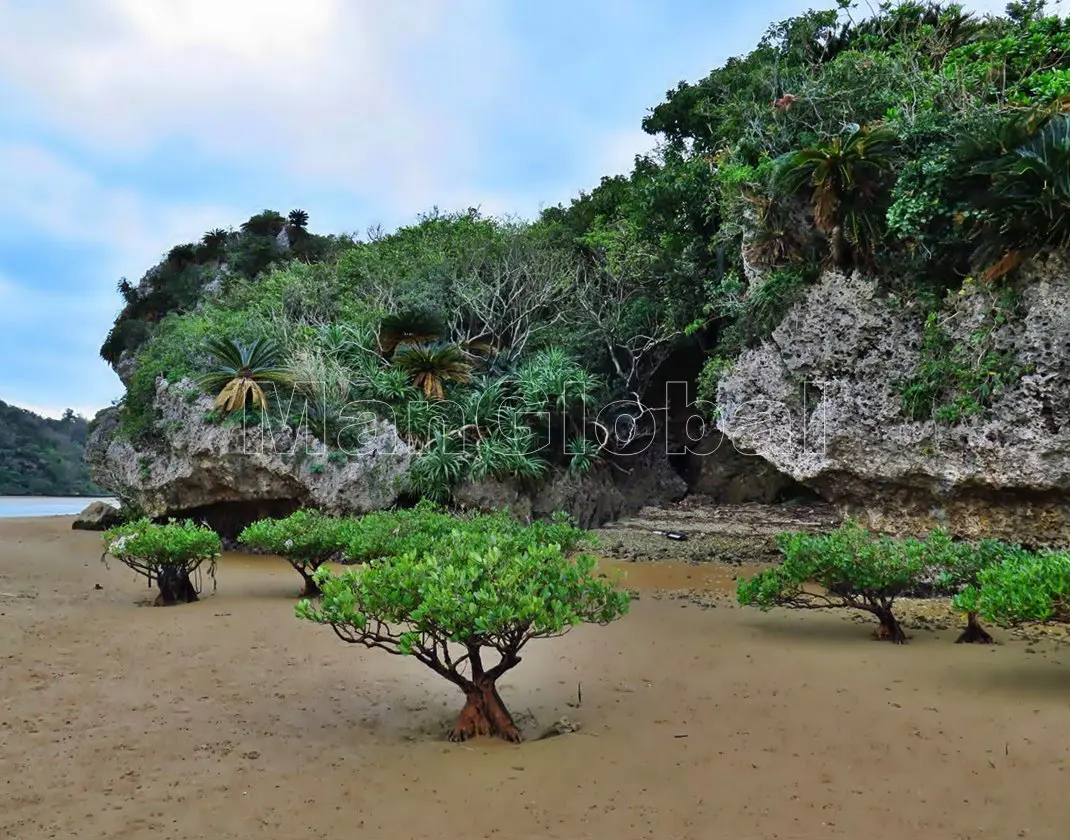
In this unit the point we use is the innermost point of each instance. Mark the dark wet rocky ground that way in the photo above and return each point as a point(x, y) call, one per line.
point(735, 534)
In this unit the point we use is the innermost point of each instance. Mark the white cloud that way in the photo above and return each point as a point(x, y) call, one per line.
point(385, 99)
point(393, 107)
point(382, 102)
point(47, 195)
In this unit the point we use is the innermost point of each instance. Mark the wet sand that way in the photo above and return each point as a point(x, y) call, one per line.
point(231, 719)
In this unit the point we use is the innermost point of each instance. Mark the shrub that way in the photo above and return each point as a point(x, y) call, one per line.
point(958, 565)
point(861, 571)
point(714, 369)
point(176, 350)
point(390, 533)
point(165, 554)
point(306, 538)
point(1024, 586)
point(485, 584)
point(957, 379)
point(854, 570)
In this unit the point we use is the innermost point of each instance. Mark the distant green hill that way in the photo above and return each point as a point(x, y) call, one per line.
point(43, 457)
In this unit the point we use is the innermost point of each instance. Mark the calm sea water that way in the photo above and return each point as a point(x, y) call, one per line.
point(45, 505)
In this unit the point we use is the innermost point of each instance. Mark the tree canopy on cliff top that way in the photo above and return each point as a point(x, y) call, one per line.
point(923, 144)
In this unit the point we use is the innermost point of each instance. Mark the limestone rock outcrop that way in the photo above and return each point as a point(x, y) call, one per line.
point(821, 401)
point(202, 467)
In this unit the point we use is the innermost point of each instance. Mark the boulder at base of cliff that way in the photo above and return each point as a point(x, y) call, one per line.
point(822, 401)
point(98, 516)
point(226, 472)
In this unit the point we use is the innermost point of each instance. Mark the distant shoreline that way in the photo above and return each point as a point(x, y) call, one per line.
point(37, 496)
point(42, 507)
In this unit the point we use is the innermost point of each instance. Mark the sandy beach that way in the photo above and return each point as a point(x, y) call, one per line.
point(229, 718)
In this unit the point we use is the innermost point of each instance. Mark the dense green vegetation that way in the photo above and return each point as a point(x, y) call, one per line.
point(306, 538)
point(443, 589)
point(1025, 586)
point(851, 568)
point(43, 457)
point(167, 555)
point(925, 145)
point(485, 584)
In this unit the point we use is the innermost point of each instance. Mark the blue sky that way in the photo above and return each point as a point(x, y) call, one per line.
point(129, 126)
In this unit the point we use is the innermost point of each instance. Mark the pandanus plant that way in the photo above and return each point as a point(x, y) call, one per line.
point(241, 372)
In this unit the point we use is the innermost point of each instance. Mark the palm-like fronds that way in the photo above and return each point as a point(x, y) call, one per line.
point(480, 405)
point(215, 239)
point(430, 366)
point(264, 223)
point(410, 327)
point(842, 173)
point(241, 371)
point(420, 420)
point(384, 383)
point(298, 218)
point(585, 453)
point(552, 381)
point(213, 244)
point(508, 456)
point(348, 343)
point(1028, 202)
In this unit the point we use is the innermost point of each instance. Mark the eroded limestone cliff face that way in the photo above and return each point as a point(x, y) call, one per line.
point(203, 467)
point(228, 475)
point(822, 402)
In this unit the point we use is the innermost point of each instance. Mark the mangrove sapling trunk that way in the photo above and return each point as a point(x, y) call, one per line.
point(974, 633)
point(487, 585)
point(175, 587)
point(310, 590)
point(306, 571)
point(484, 714)
point(306, 539)
point(889, 630)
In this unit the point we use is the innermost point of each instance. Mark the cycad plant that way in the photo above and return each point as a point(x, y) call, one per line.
point(241, 371)
point(213, 242)
point(431, 366)
point(843, 174)
point(410, 327)
point(1028, 203)
point(182, 255)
